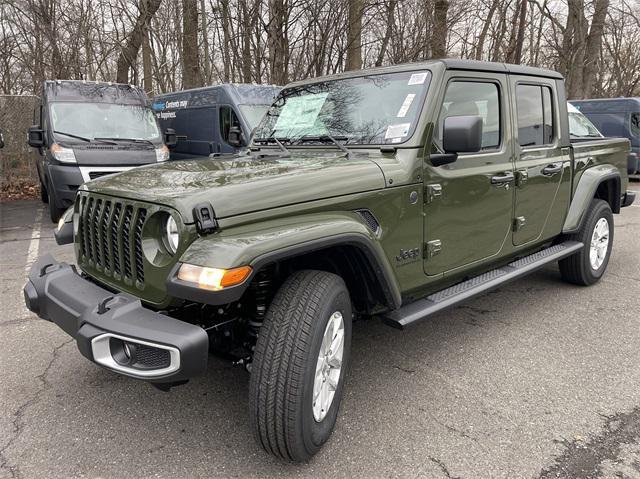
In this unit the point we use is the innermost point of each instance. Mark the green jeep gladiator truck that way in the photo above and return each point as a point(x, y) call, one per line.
point(391, 193)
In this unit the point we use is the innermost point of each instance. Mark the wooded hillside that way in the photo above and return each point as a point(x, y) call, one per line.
point(168, 45)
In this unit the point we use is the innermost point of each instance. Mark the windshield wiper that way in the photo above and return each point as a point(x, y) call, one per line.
point(77, 137)
point(333, 139)
point(132, 140)
point(277, 141)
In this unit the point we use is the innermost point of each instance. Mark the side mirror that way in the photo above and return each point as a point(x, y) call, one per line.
point(461, 134)
point(35, 137)
point(170, 138)
point(1, 139)
point(236, 138)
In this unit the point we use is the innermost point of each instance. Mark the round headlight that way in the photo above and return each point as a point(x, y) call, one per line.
point(171, 235)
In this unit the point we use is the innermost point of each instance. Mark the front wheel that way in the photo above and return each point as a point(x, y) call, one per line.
point(587, 266)
point(55, 212)
point(299, 365)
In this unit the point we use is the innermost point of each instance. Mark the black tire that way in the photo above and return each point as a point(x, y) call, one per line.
point(284, 364)
point(44, 196)
point(577, 268)
point(55, 212)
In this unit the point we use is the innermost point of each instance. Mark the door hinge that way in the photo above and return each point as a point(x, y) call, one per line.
point(433, 248)
point(433, 191)
point(519, 223)
point(521, 177)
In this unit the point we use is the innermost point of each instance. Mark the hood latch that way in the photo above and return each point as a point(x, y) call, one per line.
point(205, 218)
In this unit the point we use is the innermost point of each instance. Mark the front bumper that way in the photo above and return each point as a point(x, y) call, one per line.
point(115, 330)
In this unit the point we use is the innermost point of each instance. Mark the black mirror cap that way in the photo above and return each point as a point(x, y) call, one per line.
point(1, 139)
point(236, 138)
point(35, 137)
point(462, 134)
point(170, 138)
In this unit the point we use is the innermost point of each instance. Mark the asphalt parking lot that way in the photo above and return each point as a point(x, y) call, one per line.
point(537, 379)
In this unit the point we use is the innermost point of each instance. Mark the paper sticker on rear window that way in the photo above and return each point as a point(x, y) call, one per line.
point(405, 105)
point(397, 131)
point(417, 78)
point(300, 112)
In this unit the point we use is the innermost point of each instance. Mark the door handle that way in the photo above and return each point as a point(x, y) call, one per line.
point(552, 169)
point(503, 178)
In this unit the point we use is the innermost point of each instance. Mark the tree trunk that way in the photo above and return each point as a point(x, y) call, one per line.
point(354, 35)
point(146, 63)
point(191, 73)
point(439, 30)
point(129, 52)
point(277, 43)
point(391, 6)
point(593, 47)
point(515, 50)
point(485, 30)
point(205, 43)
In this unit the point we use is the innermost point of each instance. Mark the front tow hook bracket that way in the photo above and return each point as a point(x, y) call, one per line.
point(102, 305)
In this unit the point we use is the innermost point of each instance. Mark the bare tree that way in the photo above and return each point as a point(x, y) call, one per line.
point(129, 52)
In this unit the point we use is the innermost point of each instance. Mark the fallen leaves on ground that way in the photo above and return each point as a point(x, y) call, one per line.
point(19, 189)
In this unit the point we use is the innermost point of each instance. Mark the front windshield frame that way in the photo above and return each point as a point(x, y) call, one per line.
point(54, 125)
point(418, 99)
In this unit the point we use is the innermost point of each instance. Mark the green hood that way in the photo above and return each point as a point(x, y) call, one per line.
point(243, 184)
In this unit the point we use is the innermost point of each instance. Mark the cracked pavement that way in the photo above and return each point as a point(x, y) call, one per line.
point(538, 379)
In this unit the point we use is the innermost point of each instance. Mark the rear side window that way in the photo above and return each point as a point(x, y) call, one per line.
point(228, 119)
point(536, 125)
point(635, 125)
point(467, 98)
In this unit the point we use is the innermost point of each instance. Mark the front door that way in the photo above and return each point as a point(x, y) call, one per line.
point(469, 203)
point(541, 164)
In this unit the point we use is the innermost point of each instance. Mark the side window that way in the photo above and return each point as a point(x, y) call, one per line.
point(228, 119)
point(536, 125)
point(472, 98)
point(635, 125)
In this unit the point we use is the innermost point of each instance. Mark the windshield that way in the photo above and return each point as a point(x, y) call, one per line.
point(375, 109)
point(579, 125)
point(104, 120)
point(253, 114)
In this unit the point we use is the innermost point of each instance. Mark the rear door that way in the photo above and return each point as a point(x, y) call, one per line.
point(469, 203)
point(541, 162)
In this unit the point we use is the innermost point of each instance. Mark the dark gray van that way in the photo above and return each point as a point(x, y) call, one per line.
point(84, 130)
point(616, 117)
point(213, 119)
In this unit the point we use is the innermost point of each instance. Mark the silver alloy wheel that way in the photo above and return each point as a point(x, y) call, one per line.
point(599, 244)
point(328, 366)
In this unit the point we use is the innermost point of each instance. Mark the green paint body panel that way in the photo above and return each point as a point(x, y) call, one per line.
point(267, 202)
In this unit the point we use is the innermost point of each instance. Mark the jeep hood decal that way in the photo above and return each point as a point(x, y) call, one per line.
point(243, 184)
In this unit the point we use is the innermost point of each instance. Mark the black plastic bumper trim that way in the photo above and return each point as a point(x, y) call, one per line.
point(629, 198)
point(57, 293)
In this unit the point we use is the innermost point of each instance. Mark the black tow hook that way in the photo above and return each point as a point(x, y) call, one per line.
point(102, 305)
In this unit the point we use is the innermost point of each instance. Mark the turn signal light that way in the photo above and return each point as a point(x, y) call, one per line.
point(214, 279)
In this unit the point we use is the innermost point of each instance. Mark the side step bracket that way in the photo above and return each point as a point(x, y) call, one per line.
point(446, 298)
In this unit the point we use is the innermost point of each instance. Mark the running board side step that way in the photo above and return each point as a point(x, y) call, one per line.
point(436, 302)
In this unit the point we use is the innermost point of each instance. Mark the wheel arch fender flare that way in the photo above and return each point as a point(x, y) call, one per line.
point(259, 244)
point(587, 189)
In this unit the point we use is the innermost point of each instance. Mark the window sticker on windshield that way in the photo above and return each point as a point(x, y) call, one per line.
point(405, 105)
point(417, 78)
point(397, 131)
point(300, 112)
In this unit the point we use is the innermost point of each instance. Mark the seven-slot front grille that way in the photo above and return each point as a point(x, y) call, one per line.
point(110, 237)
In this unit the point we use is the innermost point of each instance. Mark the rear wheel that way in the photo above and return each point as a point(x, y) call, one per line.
point(299, 366)
point(596, 233)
